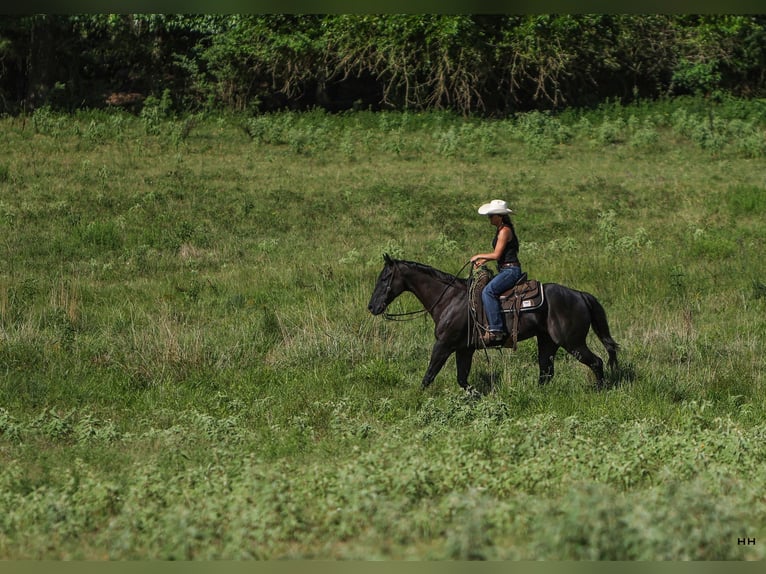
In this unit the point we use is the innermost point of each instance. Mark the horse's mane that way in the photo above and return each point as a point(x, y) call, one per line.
point(442, 276)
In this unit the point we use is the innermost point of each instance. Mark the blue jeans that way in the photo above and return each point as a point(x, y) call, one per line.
point(504, 280)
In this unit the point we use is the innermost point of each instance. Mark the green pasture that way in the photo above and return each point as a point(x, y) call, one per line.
point(188, 369)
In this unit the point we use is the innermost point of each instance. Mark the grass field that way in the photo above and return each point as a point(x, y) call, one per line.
point(188, 369)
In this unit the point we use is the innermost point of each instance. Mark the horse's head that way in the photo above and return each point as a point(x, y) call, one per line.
point(389, 286)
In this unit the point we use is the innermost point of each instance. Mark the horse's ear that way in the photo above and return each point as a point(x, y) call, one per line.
point(387, 258)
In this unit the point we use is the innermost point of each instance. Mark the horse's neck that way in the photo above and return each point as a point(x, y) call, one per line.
point(430, 290)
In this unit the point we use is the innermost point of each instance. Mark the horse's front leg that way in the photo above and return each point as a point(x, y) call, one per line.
point(464, 359)
point(439, 355)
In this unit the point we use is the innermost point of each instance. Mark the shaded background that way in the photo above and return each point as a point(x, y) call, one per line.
point(489, 64)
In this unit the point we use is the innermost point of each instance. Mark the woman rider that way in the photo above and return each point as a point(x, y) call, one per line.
point(505, 247)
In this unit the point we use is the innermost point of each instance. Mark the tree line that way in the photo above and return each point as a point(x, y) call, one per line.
point(484, 64)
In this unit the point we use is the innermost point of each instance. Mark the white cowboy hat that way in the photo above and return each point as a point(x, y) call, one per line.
point(496, 206)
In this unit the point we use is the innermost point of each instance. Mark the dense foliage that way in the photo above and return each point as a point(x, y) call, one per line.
point(492, 64)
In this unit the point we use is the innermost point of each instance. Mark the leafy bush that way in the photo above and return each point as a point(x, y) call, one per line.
point(155, 111)
point(48, 122)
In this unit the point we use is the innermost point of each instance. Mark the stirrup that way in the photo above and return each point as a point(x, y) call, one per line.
point(493, 337)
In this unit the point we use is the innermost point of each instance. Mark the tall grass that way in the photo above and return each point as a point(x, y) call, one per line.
point(189, 369)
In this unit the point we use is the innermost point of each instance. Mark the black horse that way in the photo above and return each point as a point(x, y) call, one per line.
point(563, 320)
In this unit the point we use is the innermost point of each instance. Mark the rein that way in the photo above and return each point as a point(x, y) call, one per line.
point(410, 315)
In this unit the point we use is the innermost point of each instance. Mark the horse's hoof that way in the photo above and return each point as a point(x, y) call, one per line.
point(472, 392)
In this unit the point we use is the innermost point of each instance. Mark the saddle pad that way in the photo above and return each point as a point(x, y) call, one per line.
point(524, 296)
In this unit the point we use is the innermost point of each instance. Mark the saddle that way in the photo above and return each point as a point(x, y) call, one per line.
point(525, 295)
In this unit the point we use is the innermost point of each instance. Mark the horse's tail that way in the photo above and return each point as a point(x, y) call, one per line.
point(601, 328)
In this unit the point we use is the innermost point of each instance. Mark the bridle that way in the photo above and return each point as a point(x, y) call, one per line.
point(410, 315)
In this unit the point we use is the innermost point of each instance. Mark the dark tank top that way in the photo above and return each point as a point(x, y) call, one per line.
point(511, 252)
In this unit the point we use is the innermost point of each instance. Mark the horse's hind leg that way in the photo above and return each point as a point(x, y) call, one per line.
point(612, 350)
point(593, 361)
point(546, 352)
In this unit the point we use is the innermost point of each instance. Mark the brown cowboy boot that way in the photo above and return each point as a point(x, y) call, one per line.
point(493, 338)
